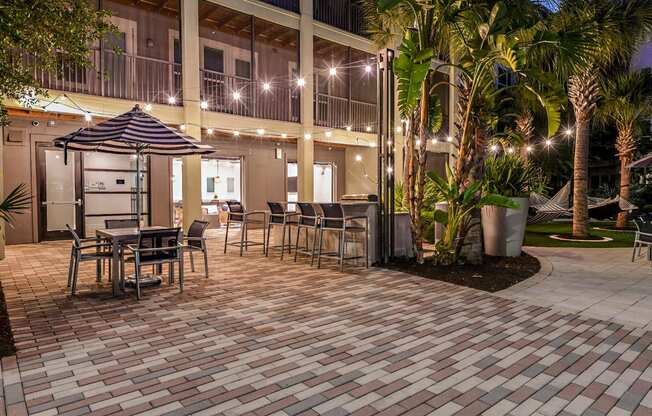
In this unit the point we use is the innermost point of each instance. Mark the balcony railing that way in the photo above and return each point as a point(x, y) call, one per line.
point(291, 5)
point(343, 14)
point(242, 97)
point(114, 75)
point(339, 112)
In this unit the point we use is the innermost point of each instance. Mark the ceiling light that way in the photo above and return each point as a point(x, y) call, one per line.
point(358, 158)
point(172, 100)
point(301, 82)
point(307, 136)
point(236, 133)
point(284, 135)
point(266, 86)
point(329, 133)
point(348, 128)
point(368, 128)
point(260, 132)
point(367, 68)
point(88, 117)
point(332, 71)
point(209, 131)
point(203, 105)
point(236, 95)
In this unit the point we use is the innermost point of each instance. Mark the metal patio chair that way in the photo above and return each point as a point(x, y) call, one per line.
point(238, 215)
point(643, 237)
point(110, 224)
point(308, 220)
point(333, 219)
point(195, 241)
point(157, 247)
point(279, 216)
point(100, 251)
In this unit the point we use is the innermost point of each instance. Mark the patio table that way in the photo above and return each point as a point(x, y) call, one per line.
point(118, 236)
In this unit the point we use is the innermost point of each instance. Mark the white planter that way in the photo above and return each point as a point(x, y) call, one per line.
point(503, 229)
point(402, 235)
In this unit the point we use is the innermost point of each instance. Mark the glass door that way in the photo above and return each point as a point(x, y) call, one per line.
point(59, 193)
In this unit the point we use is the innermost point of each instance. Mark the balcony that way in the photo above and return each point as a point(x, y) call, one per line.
point(339, 112)
point(290, 5)
point(123, 76)
point(242, 97)
point(342, 14)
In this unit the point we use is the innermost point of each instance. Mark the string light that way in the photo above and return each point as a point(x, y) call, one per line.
point(182, 127)
point(260, 132)
point(209, 132)
point(434, 140)
point(368, 128)
point(449, 139)
point(236, 95)
point(348, 128)
point(417, 142)
point(358, 158)
point(148, 107)
point(528, 149)
point(389, 170)
point(301, 82)
point(548, 142)
point(568, 132)
point(172, 99)
point(236, 133)
point(389, 143)
point(329, 133)
point(88, 117)
point(372, 144)
point(367, 68)
point(284, 135)
point(203, 105)
point(494, 148)
point(399, 129)
point(266, 86)
point(332, 71)
point(510, 150)
point(307, 136)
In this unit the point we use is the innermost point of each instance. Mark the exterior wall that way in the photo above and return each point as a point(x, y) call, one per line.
point(643, 58)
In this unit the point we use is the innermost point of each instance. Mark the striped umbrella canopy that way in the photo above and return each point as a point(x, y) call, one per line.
point(644, 162)
point(134, 132)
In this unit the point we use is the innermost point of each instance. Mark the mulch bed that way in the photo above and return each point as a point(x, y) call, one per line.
point(6, 337)
point(494, 274)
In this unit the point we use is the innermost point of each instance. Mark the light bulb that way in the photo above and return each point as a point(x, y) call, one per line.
point(209, 131)
point(172, 99)
point(494, 148)
point(182, 127)
point(236, 133)
point(329, 133)
point(148, 107)
point(284, 135)
point(348, 128)
point(203, 105)
point(568, 132)
point(236, 95)
point(358, 158)
point(399, 129)
point(548, 142)
point(332, 71)
point(88, 117)
point(301, 82)
point(417, 142)
point(434, 140)
point(266, 86)
point(260, 132)
point(307, 136)
point(449, 139)
point(510, 150)
point(368, 128)
point(390, 170)
point(528, 149)
point(367, 68)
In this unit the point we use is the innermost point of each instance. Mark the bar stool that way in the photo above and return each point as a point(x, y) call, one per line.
point(238, 215)
point(308, 219)
point(333, 219)
point(279, 216)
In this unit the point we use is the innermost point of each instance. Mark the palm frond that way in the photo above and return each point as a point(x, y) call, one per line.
point(16, 202)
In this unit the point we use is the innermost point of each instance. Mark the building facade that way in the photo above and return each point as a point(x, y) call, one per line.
point(285, 90)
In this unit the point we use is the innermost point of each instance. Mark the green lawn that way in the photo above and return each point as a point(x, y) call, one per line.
point(537, 235)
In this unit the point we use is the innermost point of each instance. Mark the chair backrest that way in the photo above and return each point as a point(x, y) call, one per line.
point(277, 212)
point(164, 237)
point(332, 211)
point(124, 223)
point(236, 209)
point(196, 230)
point(75, 237)
point(307, 212)
point(643, 226)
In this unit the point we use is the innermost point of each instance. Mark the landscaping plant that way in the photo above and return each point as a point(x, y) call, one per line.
point(513, 177)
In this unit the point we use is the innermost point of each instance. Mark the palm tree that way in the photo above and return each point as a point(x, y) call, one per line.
point(626, 101)
point(610, 31)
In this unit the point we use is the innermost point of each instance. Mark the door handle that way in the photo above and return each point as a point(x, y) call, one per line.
point(76, 202)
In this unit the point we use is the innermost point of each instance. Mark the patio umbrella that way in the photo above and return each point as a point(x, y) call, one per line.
point(644, 162)
point(134, 132)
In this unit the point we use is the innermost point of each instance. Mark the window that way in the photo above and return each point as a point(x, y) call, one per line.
point(177, 52)
point(230, 184)
point(210, 184)
point(214, 59)
point(242, 69)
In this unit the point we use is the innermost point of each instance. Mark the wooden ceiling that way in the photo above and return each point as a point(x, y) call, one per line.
point(165, 7)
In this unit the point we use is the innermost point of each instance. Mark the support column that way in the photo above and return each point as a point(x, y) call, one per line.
point(2, 195)
point(306, 147)
point(191, 174)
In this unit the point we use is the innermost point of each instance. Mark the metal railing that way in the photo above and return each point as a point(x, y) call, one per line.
point(339, 112)
point(291, 5)
point(114, 75)
point(240, 96)
point(343, 14)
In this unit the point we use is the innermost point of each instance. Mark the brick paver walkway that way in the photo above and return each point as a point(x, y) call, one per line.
point(268, 337)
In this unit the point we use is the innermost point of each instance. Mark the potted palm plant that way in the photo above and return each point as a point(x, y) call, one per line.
point(16, 202)
point(515, 178)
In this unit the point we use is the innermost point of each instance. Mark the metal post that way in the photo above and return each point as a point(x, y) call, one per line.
point(381, 160)
point(139, 208)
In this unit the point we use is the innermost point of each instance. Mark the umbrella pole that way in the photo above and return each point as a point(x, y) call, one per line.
point(138, 196)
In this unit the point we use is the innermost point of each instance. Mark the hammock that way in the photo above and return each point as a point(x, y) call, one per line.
point(543, 209)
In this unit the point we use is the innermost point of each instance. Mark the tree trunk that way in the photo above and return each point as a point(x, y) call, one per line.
point(583, 95)
point(418, 173)
point(626, 146)
point(580, 181)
